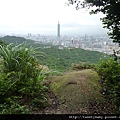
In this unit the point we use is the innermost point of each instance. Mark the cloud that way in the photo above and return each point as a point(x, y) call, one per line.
point(43, 15)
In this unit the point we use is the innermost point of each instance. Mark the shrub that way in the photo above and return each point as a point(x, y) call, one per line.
point(82, 65)
point(2, 43)
point(110, 73)
point(19, 74)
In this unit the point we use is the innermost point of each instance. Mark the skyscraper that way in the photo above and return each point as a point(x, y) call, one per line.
point(58, 31)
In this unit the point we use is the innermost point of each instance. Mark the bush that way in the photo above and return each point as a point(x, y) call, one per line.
point(2, 43)
point(20, 75)
point(82, 65)
point(110, 73)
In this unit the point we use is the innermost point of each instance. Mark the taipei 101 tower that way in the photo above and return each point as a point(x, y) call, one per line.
point(58, 32)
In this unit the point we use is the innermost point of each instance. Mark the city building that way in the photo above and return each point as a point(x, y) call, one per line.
point(58, 32)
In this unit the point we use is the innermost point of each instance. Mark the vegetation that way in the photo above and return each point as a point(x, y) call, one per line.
point(108, 7)
point(13, 39)
point(22, 75)
point(83, 65)
point(110, 73)
point(63, 59)
point(58, 59)
point(108, 69)
point(2, 43)
point(77, 88)
point(20, 79)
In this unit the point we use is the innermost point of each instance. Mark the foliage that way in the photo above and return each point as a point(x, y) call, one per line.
point(108, 69)
point(83, 65)
point(2, 43)
point(77, 88)
point(13, 39)
point(20, 76)
point(16, 40)
point(110, 73)
point(13, 107)
point(63, 59)
point(108, 7)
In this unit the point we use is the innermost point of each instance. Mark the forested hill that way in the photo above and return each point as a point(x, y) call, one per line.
point(63, 59)
point(13, 39)
point(56, 58)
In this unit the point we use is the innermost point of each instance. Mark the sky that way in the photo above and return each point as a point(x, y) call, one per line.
point(42, 16)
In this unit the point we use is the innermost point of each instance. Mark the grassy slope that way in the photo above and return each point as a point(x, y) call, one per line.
point(77, 89)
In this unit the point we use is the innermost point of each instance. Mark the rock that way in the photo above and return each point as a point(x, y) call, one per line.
point(76, 92)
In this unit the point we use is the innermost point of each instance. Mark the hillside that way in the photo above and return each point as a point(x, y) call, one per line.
point(62, 59)
point(58, 59)
point(27, 86)
point(14, 39)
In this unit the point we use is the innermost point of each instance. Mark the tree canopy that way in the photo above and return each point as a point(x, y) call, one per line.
point(108, 7)
point(2, 43)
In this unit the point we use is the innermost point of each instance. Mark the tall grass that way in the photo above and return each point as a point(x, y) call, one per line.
point(19, 73)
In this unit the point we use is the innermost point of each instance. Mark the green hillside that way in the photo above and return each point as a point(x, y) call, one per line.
point(24, 82)
point(56, 58)
point(63, 59)
point(15, 40)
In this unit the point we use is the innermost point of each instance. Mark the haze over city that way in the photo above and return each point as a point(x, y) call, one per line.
point(42, 16)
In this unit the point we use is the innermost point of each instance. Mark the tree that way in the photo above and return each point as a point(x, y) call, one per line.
point(108, 7)
point(2, 43)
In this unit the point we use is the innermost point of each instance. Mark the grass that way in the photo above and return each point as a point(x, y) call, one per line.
point(20, 79)
point(77, 88)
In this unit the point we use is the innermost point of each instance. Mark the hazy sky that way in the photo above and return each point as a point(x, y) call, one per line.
point(42, 16)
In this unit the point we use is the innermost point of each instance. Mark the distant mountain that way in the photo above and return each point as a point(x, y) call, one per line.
point(15, 40)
